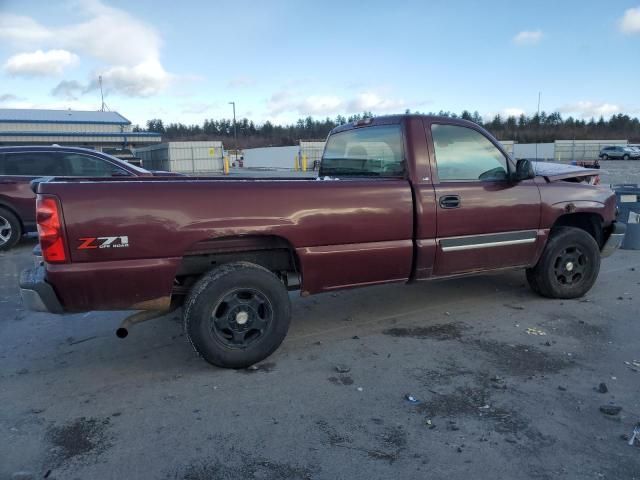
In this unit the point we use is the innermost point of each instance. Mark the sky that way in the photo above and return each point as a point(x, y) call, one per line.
point(281, 60)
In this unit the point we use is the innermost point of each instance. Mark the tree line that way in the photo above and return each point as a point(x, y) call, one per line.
point(540, 128)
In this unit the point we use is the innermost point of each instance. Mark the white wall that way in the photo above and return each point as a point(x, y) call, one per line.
point(183, 157)
point(270, 157)
point(528, 150)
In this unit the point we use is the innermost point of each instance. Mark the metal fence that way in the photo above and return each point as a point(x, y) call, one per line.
point(566, 150)
point(313, 151)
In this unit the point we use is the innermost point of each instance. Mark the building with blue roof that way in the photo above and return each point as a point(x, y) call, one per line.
point(91, 129)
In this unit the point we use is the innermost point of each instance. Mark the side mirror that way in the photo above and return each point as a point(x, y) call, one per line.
point(524, 170)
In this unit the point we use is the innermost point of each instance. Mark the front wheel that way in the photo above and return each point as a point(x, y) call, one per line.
point(237, 315)
point(625, 157)
point(10, 229)
point(605, 156)
point(569, 265)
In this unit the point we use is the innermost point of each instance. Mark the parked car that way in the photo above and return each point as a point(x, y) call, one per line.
point(20, 165)
point(398, 199)
point(620, 152)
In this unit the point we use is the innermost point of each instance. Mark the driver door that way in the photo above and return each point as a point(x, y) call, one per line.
point(485, 221)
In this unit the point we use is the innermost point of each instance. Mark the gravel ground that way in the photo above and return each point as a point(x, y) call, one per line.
point(620, 171)
point(505, 385)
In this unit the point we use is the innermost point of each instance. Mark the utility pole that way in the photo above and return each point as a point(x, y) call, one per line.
point(235, 130)
point(101, 94)
point(538, 128)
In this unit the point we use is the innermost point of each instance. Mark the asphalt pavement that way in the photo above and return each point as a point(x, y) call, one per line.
point(501, 384)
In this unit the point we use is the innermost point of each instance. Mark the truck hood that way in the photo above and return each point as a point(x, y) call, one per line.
point(559, 171)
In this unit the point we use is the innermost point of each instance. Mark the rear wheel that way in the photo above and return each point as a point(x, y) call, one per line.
point(605, 156)
point(10, 229)
point(569, 265)
point(237, 315)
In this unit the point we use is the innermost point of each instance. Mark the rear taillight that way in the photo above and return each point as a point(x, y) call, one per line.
point(50, 229)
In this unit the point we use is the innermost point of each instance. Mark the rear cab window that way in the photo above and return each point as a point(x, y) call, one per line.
point(375, 151)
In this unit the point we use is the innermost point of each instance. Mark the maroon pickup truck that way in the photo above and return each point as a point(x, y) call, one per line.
point(398, 199)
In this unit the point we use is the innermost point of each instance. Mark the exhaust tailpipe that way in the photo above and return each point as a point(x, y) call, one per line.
point(138, 317)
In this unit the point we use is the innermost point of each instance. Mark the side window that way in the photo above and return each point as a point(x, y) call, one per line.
point(465, 154)
point(32, 164)
point(368, 151)
point(87, 166)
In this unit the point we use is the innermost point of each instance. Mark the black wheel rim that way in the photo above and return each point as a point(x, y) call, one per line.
point(5, 231)
point(241, 318)
point(571, 266)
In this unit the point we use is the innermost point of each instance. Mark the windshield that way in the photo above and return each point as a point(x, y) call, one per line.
point(370, 151)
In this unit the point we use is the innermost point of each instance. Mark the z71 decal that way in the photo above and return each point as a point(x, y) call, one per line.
point(88, 243)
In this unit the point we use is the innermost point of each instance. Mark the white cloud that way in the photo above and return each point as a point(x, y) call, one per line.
point(112, 35)
point(39, 63)
point(288, 101)
point(280, 102)
point(68, 90)
point(142, 80)
point(109, 34)
point(369, 101)
point(8, 97)
point(128, 48)
point(630, 21)
point(320, 105)
point(528, 37)
point(20, 29)
point(588, 109)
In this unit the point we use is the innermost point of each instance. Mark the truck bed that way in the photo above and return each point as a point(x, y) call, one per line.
point(345, 233)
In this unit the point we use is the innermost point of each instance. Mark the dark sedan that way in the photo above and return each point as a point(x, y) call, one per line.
point(20, 165)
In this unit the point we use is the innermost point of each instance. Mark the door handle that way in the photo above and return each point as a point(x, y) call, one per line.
point(449, 201)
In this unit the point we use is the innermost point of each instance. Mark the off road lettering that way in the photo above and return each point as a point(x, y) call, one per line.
point(88, 243)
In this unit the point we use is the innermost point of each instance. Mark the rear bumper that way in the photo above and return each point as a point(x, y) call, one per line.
point(37, 295)
point(615, 239)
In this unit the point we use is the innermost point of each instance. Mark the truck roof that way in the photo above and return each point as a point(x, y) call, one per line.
point(397, 119)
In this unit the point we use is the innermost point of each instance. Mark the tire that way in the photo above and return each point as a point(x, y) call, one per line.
point(10, 229)
point(569, 265)
point(605, 157)
point(625, 157)
point(532, 281)
point(237, 315)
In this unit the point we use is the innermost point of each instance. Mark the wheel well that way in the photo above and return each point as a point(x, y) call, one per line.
point(271, 252)
point(589, 222)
